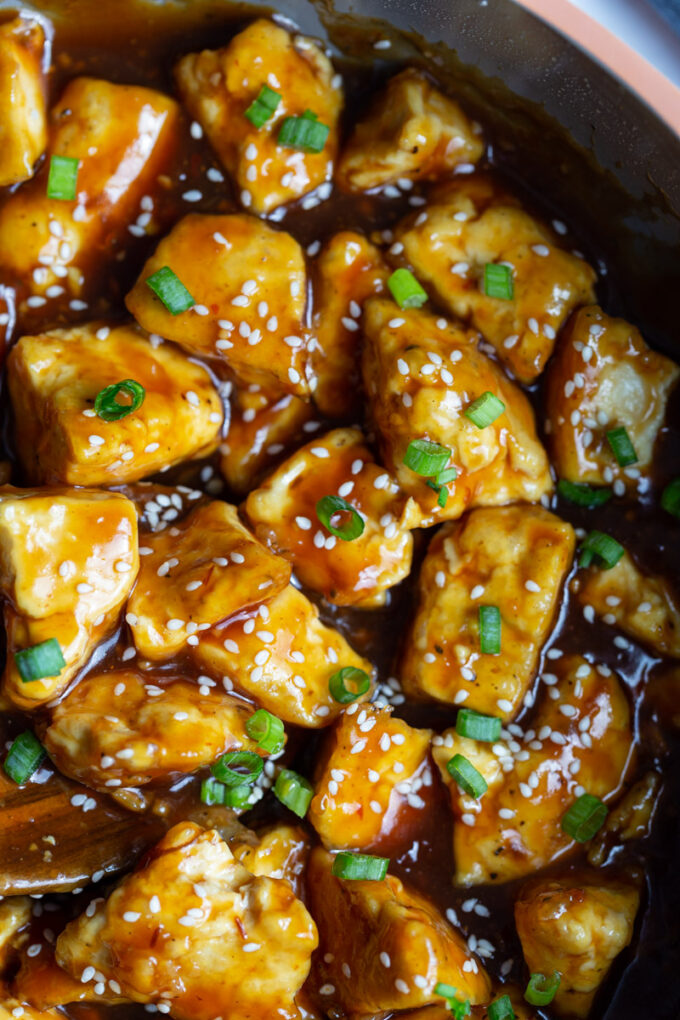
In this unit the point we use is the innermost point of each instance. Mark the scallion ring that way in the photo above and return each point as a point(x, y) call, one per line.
point(622, 448)
point(501, 1009)
point(542, 989)
point(490, 630)
point(498, 281)
point(266, 730)
point(582, 494)
point(328, 506)
point(426, 458)
point(62, 179)
point(484, 410)
point(584, 818)
point(238, 768)
point(359, 867)
point(40, 661)
point(23, 757)
point(603, 548)
point(477, 726)
point(348, 684)
point(406, 290)
point(263, 107)
point(470, 779)
point(108, 407)
point(294, 791)
point(171, 291)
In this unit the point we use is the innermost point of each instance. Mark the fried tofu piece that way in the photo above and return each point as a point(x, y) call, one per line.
point(42, 984)
point(631, 818)
point(348, 270)
point(604, 376)
point(577, 925)
point(68, 560)
point(579, 741)
point(53, 381)
point(23, 124)
point(11, 1008)
point(15, 914)
point(280, 852)
point(514, 558)
point(372, 763)
point(411, 131)
point(218, 86)
point(383, 947)
point(194, 929)
point(282, 655)
point(470, 223)
point(421, 375)
point(283, 515)
point(200, 572)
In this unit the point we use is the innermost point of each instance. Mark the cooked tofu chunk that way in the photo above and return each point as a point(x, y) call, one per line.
point(199, 572)
point(42, 984)
point(348, 270)
point(412, 131)
point(249, 284)
point(282, 655)
point(579, 741)
point(576, 925)
point(194, 929)
point(68, 559)
point(514, 558)
point(384, 946)
point(54, 379)
point(283, 515)
point(604, 376)
point(281, 852)
point(471, 223)
point(15, 913)
point(631, 818)
point(218, 86)
point(23, 125)
point(372, 764)
point(10, 1008)
point(421, 375)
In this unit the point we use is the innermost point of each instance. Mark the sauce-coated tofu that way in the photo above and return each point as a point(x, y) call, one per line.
point(604, 376)
point(23, 117)
point(68, 559)
point(15, 913)
point(514, 558)
point(283, 515)
point(471, 223)
point(218, 86)
point(54, 379)
point(421, 374)
point(194, 929)
point(580, 741)
point(199, 572)
point(412, 131)
point(280, 852)
point(282, 655)
point(11, 1008)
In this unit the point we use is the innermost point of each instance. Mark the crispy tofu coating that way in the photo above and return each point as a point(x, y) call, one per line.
point(579, 741)
point(412, 131)
point(53, 381)
point(514, 558)
point(471, 223)
point(43, 984)
point(283, 513)
point(604, 376)
point(15, 913)
point(282, 655)
point(57, 586)
point(280, 852)
point(198, 573)
point(23, 124)
point(384, 946)
point(218, 86)
point(195, 929)
point(421, 374)
point(249, 285)
point(576, 924)
point(372, 763)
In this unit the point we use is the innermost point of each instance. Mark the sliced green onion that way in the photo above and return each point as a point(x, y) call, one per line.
point(622, 448)
point(238, 768)
point(670, 497)
point(477, 726)
point(605, 549)
point(584, 818)
point(23, 757)
point(490, 630)
point(498, 282)
point(501, 1009)
point(442, 497)
point(294, 791)
point(426, 458)
point(214, 792)
point(541, 989)
point(40, 661)
point(170, 289)
point(309, 115)
point(329, 506)
point(485, 409)
point(348, 684)
point(306, 133)
point(406, 290)
point(62, 180)
point(582, 494)
point(360, 867)
point(446, 476)
point(467, 776)
point(266, 730)
point(459, 1008)
point(108, 407)
point(263, 106)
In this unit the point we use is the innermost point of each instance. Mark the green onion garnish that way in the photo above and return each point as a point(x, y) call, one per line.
point(484, 409)
point(306, 133)
point(459, 1008)
point(670, 497)
point(348, 684)
point(294, 791)
point(40, 661)
point(442, 497)
point(263, 106)
point(490, 630)
point(446, 476)
point(501, 1009)
point(477, 726)
point(498, 282)
point(467, 776)
point(238, 768)
point(406, 290)
point(541, 989)
point(326, 509)
point(62, 180)
point(360, 867)
point(604, 548)
point(582, 494)
point(266, 730)
point(170, 289)
point(622, 448)
point(584, 818)
point(23, 757)
point(108, 407)
point(214, 792)
point(426, 458)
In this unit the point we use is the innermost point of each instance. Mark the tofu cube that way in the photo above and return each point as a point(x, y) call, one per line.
point(23, 124)
point(279, 852)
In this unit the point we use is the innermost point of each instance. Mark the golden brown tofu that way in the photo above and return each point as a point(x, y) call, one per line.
point(283, 515)
point(199, 572)
point(282, 655)
point(514, 558)
point(580, 741)
point(631, 818)
point(281, 852)
point(54, 379)
point(421, 374)
point(15, 913)
point(576, 925)
point(348, 270)
point(194, 929)
point(43, 984)
point(11, 1008)
point(23, 124)
point(68, 559)
point(249, 285)
point(384, 946)
point(218, 86)
point(604, 376)
point(373, 767)
point(411, 131)
point(471, 223)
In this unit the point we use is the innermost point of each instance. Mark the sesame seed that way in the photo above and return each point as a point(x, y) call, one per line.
point(131, 916)
point(96, 440)
point(477, 591)
point(532, 586)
